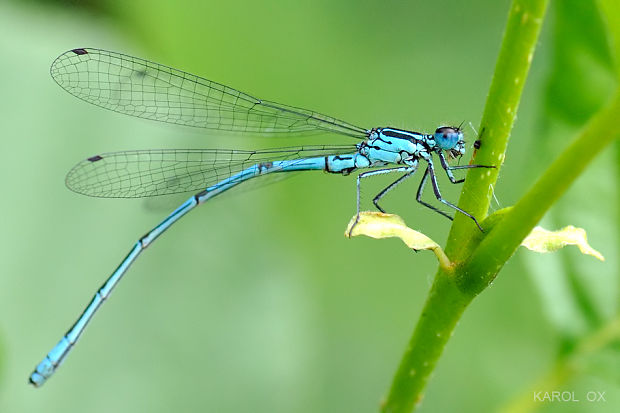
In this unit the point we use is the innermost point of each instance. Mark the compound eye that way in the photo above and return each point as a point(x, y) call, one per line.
point(445, 131)
point(447, 137)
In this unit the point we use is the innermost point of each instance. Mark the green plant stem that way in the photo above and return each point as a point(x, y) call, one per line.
point(617, 154)
point(446, 302)
point(611, 13)
point(443, 309)
point(513, 63)
point(495, 249)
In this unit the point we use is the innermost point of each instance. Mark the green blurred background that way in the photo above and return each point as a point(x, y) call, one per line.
point(257, 302)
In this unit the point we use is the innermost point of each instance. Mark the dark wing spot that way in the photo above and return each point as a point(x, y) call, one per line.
point(95, 158)
point(140, 74)
point(79, 52)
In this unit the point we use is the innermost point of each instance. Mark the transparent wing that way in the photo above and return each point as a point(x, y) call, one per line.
point(153, 172)
point(150, 90)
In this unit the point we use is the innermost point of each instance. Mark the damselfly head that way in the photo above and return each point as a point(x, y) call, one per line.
point(451, 139)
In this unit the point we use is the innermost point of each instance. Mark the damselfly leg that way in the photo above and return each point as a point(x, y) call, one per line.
point(431, 172)
point(391, 186)
point(449, 169)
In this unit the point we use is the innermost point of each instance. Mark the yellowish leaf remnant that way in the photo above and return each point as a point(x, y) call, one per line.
point(380, 225)
point(541, 240)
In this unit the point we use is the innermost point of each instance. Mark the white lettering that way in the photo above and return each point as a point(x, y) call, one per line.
point(561, 396)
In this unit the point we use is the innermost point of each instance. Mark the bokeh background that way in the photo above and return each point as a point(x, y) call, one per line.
point(257, 302)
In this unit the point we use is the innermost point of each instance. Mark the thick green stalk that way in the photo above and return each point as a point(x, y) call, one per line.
point(611, 12)
point(513, 64)
point(446, 302)
point(443, 309)
point(495, 249)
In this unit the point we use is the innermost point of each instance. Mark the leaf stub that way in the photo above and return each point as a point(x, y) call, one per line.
point(542, 240)
point(379, 225)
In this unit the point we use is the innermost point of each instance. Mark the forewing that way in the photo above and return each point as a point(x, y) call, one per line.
point(145, 89)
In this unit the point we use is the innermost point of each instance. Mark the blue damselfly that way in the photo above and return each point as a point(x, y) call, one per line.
point(149, 90)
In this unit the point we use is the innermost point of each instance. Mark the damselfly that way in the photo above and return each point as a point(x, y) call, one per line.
point(149, 90)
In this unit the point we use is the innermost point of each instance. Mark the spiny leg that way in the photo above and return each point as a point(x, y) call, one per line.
point(419, 196)
point(391, 186)
point(449, 169)
point(376, 172)
point(431, 172)
point(366, 175)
